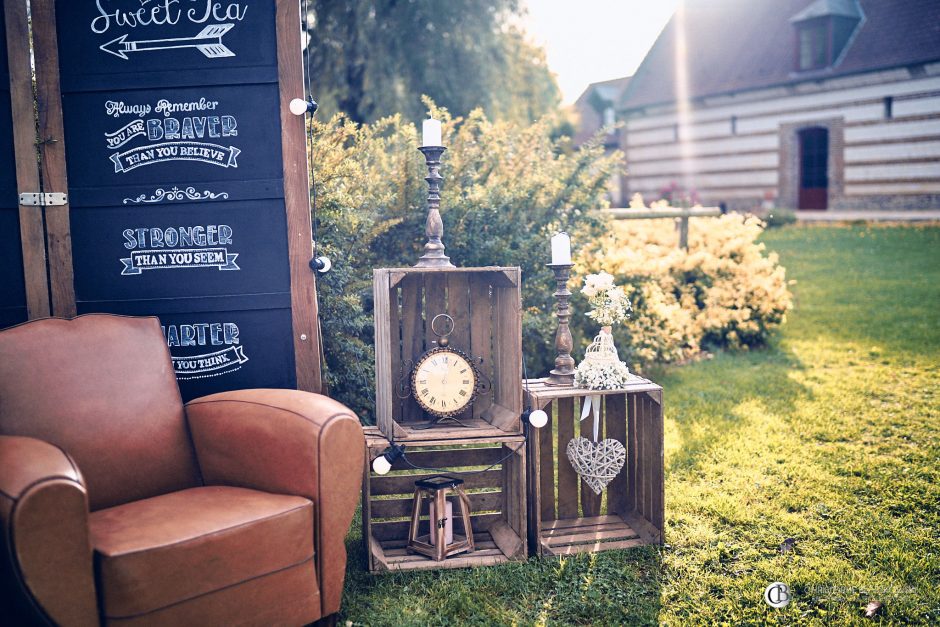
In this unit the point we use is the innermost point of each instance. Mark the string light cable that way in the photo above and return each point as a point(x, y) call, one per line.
point(299, 106)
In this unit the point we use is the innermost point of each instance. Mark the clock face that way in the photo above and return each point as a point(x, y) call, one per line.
point(444, 382)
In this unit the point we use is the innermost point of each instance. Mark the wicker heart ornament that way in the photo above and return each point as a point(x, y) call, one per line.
point(596, 462)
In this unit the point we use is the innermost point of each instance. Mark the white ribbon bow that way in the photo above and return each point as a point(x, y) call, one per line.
point(592, 401)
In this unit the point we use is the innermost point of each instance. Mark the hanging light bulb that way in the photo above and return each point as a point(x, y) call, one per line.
point(299, 106)
point(383, 463)
point(538, 419)
point(321, 264)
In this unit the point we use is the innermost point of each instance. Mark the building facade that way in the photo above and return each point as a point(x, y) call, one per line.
point(807, 104)
point(596, 109)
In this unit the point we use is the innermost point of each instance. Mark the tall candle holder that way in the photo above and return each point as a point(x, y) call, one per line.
point(563, 373)
point(434, 256)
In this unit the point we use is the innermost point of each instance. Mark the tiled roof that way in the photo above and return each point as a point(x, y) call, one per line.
point(736, 45)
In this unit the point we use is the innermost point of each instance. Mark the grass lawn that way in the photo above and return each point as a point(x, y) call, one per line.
point(830, 437)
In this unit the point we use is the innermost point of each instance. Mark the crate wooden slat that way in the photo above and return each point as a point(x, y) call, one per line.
point(485, 304)
point(574, 519)
point(497, 499)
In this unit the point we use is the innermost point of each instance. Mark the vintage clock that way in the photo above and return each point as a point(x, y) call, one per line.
point(444, 380)
point(416, 309)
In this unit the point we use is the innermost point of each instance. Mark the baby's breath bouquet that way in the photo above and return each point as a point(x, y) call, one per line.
point(601, 368)
point(596, 375)
point(610, 303)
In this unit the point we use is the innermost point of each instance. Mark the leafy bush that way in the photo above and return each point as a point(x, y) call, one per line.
point(724, 292)
point(507, 188)
point(779, 217)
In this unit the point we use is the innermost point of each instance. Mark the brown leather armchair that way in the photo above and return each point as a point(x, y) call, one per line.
point(120, 506)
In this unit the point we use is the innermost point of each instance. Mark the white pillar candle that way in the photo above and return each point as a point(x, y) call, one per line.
point(561, 248)
point(431, 133)
point(448, 524)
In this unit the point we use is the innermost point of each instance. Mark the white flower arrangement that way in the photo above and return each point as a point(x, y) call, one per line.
point(601, 375)
point(610, 303)
point(601, 368)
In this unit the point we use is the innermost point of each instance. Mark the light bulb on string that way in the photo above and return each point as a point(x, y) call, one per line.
point(299, 106)
point(383, 463)
point(321, 264)
point(538, 418)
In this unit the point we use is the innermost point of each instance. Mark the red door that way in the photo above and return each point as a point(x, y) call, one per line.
point(814, 175)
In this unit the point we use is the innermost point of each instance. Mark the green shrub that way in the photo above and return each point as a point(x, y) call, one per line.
point(507, 188)
point(779, 217)
point(724, 292)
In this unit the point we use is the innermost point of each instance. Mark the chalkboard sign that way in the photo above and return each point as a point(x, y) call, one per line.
point(172, 113)
point(12, 282)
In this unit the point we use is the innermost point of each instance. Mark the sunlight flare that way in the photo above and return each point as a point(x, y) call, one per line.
point(683, 101)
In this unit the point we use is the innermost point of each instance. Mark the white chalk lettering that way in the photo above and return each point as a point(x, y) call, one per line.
point(212, 364)
point(166, 13)
point(214, 334)
point(212, 126)
point(156, 237)
point(199, 247)
point(117, 109)
point(168, 108)
point(216, 11)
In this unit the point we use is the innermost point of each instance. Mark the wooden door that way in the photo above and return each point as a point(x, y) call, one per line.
point(814, 168)
point(187, 180)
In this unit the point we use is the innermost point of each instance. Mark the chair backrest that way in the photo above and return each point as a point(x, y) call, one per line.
point(101, 388)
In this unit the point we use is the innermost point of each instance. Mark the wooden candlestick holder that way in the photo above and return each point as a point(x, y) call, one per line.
point(434, 256)
point(563, 373)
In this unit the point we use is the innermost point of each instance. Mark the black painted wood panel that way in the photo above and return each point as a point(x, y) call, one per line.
point(173, 138)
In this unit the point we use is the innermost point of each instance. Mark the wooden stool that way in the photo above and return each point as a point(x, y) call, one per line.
point(438, 488)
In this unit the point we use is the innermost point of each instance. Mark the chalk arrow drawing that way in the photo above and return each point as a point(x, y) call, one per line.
point(208, 42)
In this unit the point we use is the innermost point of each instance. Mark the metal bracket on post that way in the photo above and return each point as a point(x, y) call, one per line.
point(43, 199)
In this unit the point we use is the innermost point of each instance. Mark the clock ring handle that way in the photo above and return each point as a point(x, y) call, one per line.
point(434, 322)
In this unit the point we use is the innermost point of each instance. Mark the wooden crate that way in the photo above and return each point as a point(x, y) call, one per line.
point(565, 516)
point(485, 304)
point(497, 499)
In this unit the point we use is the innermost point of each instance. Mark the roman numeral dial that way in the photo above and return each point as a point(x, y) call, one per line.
point(444, 382)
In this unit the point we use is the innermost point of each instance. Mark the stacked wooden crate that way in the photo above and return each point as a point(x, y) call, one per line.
point(496, 489)
point(485, 304)
point(574, 519)
point(484, 445)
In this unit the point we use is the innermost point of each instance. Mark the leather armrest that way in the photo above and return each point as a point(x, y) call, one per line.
point(46, 560)
point(288, 442)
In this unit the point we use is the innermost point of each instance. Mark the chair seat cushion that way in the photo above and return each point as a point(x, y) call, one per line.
point(171, 548)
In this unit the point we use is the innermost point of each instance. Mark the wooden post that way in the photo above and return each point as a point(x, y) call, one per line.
point(27, 166)
point(304, 307)
point(52, 152)
point(683, 225)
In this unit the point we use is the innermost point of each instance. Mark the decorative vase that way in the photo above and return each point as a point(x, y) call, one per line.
point(601, 368)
